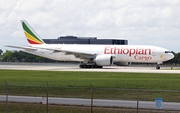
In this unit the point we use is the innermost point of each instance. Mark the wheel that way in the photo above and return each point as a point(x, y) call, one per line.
point(100, 67)
point(157, 67)
point(88, 66)
point(94, 66)
point(80, 66)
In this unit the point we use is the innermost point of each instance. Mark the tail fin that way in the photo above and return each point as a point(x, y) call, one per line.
point(31, 35)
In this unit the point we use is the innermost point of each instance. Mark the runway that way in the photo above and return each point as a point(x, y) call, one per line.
point(96, 102)
point(75, 67)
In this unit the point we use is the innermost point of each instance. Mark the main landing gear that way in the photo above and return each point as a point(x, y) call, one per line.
point(89, 66)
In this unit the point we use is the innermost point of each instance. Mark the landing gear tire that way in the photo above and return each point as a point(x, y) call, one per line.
point(89, 66)
point(99, 66)
point(80, 66)
point(158, 67)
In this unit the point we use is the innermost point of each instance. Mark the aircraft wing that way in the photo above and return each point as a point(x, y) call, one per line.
point(22, 47)
point(80, 54)
point(76, 53)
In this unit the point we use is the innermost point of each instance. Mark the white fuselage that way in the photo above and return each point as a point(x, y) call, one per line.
point(120, 53)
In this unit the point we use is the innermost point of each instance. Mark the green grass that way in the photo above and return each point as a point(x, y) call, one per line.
point(77, 84)
point(97, 79)
point(39, 108)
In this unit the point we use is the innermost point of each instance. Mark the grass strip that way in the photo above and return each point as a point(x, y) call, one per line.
point(77, 84)
point(39, 108)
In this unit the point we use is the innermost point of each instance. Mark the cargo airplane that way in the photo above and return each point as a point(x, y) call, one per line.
point(93, 56)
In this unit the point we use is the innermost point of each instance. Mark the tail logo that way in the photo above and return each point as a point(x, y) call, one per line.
point(32, 38)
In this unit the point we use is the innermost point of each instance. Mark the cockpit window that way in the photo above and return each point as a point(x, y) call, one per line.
point(168, 52)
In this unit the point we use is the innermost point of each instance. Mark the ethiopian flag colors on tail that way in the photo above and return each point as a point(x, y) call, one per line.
point(31, 35)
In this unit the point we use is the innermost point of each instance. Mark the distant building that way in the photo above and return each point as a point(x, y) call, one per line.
point(84, 40)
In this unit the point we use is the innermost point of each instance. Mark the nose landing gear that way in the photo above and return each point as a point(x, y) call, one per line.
point(158, 67)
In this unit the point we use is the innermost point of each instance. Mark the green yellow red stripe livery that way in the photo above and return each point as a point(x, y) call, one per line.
point(31, 35)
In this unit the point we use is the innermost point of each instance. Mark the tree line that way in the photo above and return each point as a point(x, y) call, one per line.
point(175, 60)
point(19, 56)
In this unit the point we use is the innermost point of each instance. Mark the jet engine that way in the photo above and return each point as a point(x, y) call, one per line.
point(122, 63)
point(104, 60)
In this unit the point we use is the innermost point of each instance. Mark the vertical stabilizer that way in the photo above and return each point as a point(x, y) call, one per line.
point(31, 35)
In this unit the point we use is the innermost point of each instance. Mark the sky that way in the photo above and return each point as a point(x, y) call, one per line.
point(141, 22)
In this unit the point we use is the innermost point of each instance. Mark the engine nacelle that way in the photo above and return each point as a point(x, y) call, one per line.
point(122, 63)
point(104, 60)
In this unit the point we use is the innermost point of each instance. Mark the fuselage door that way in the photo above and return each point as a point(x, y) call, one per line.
point(153, 52)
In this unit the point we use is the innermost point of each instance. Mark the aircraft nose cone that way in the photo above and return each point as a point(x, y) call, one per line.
point(171, 56)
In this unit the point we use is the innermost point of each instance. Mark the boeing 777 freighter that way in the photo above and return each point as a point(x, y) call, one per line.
point(93, 56)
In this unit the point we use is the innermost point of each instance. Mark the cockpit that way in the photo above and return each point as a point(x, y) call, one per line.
point(168, 51)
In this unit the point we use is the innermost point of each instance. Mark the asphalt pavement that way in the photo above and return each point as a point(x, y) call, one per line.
point(96, 102)
point(75, 67)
